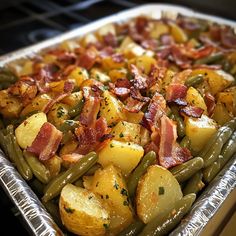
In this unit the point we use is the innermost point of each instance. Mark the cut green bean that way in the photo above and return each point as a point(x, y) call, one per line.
point(146, 161)
point(133, 229)
point(194, 80)
point(76, 110)
point(185, 142)
point(210, 59)
point(184, 171)
point(71, 175)
point(231, 124)
point(228, 150)
point(215, 150)
point(194, 184)
point(7, 78)
point(16, 155)
point(179, 120)
point(3, 143)
point(67, 127)
point(211, 171)
point(165, 223)
point(38, 168)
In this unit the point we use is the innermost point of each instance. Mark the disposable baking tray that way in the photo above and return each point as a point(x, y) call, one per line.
point(37, 220)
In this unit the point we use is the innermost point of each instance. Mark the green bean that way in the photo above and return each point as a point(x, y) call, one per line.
point(146, 161)
point(231, 124)
point(210, 59)
point(1, 124)
point(228, 150)
point(179, 120)
point(76, 110)
point(67, 127)
point(133, 229)
point(194, 184)
point(71, 175)
point(184, 171)
point(16, 155)
point(211, 171)
point(215, 149)
point(165, 223)
point(194, 80)
point(38, 168)
point(185, 142)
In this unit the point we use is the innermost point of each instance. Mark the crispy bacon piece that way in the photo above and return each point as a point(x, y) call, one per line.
point(110, 40)
point(179, 58)
point(164, 52)
point(92, 138)
point(118, 57)
point(176, 92)
point(91, 107)
point(141, 24)
point(166, 39)
point(192, 111)
point(151, 44)
point(106, 52)
point(200, 52)
point(46, 142)
point(156, 110)
point(188, 24)
point(170, 153)
point(140, 81)
point(156, 73)
point(228, 38)
point(136, 101)
point(210, 103)
point(88, 58)
point(151, 147)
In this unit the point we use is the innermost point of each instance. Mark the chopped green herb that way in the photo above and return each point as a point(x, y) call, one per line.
point(124, 192)
point(116, 185)
point(90, 197)
point(106, 226)
point(69, 210)
point(111, 145)
point(97, 184)
point(161, 190)
point(60, 112)
point(121, 135)
point(125, 203)
point(107, 196)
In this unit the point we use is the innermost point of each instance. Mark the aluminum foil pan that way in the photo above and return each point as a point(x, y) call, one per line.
point(36, 218)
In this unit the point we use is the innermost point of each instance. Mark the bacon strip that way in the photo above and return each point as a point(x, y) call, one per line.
point(46, 142)
point(91, 107)
point(176, 92)
point(92, 138)
point(140, 81)
point(210, 103)
point(136, 101)
point(88, 58)
point(192, 111)
point(170, 153)
point(156, 110)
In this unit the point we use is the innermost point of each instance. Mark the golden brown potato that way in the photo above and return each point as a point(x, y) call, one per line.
point(157, 193)
point(82, 212)
point(27, 131)
point(110, 185)
point(53, 165)
point(10, 106)
point(125, 155)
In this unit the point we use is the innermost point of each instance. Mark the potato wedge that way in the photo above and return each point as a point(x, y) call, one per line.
point(111, 109)
point(110, 185)
point(125, 155)
point(82, 211)
point(27, 131)
point(78, 75)
point(157, 193)
point(127, 132)
point(194, 98)
point(199, 130)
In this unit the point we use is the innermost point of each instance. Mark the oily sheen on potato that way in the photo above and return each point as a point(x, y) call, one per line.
point(157, 192)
